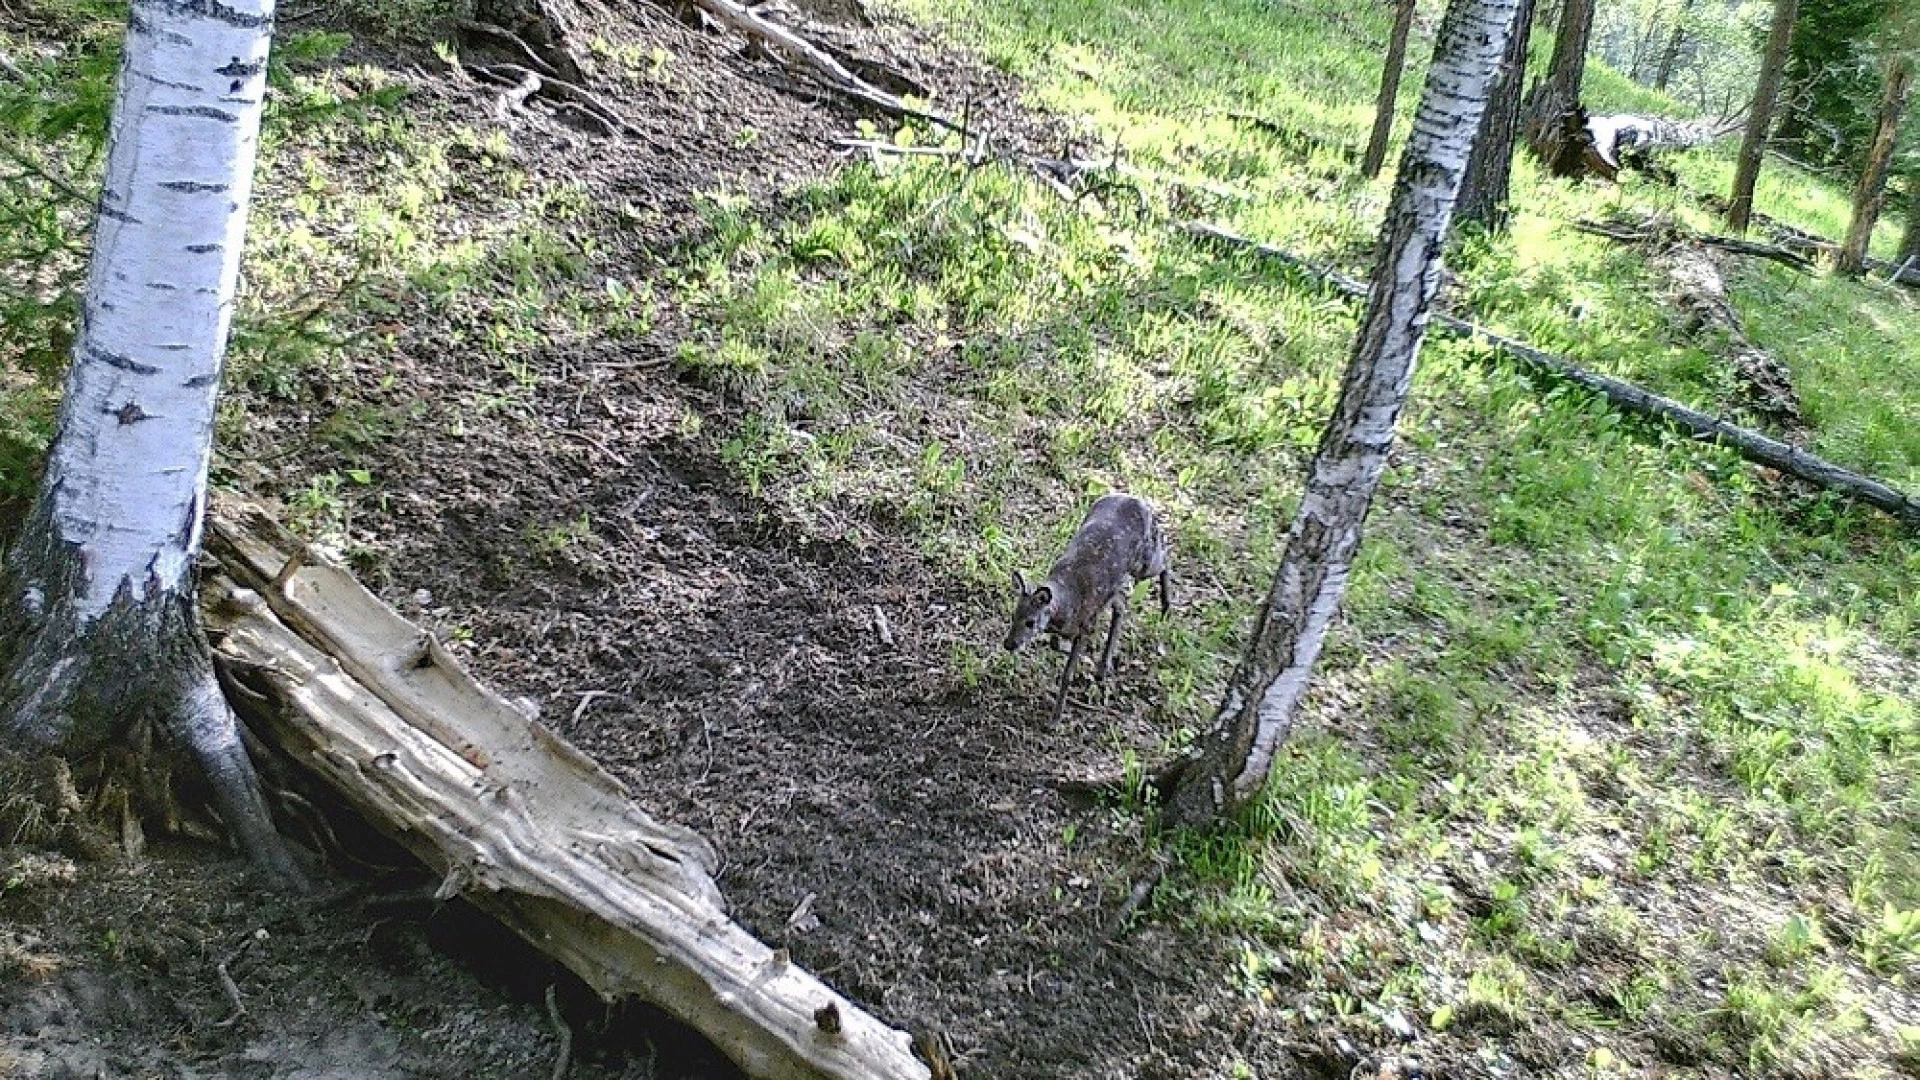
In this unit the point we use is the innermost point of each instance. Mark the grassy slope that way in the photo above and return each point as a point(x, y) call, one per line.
point(1616, 742)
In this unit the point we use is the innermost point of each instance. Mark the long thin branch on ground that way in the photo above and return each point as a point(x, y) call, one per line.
point(1749, 444)
point(817, 60)
point(1668, 232)
point(1812, 246)
point(1063, 170)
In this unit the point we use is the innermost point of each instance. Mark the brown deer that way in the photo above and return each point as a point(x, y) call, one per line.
point(1119, 543)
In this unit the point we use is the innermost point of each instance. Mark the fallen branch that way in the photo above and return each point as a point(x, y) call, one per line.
point(511, 816)
point(816, 60)
point(1751, 445)
point(570, 94)
point(1053, 171)
point(1666, 233)
point(1812, 246)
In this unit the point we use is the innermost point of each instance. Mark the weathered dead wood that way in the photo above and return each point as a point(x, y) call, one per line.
point(515, 819)
point(1665, 233)
point(1749, 444)
point(817, 61)
point(1700, 292)
point(1601, 145)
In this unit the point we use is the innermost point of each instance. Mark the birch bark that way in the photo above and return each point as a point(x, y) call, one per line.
point(101, 628)
point(1230, 762)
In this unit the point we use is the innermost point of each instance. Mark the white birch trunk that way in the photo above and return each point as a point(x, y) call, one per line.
point(99, 603)
point(1230, 763)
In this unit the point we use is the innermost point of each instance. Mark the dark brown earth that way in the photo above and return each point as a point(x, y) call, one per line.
point(732, 672)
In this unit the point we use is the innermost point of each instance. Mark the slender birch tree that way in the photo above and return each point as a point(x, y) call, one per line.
point(1389, 89)
point(1230, 762)
point(1766, 91)
point(100, 641)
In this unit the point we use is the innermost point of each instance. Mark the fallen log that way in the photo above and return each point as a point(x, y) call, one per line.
point(1749, 444)
point(1601, 145)
point(1814, 247)
point(510, 815)
point(819, 62)
point(1665, 233)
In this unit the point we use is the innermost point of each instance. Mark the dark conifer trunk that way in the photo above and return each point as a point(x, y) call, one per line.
point(1766, 90)
point(1484, 192)
point(1869, 193)
point(1389, 89)
point(1559, 93)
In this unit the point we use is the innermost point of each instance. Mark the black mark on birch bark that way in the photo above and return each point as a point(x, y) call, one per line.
point(115, 360)
point(201, 112)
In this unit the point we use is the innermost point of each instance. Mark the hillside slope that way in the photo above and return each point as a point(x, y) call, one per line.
point(718, 447)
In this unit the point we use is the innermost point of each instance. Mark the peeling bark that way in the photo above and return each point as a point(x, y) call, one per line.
point(101, 632)
point(1869, 193)
point(1230, 763)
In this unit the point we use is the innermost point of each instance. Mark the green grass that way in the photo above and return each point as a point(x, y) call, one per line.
point(1587, 666)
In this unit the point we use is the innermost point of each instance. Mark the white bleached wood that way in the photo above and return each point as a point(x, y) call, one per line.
point(515, 819)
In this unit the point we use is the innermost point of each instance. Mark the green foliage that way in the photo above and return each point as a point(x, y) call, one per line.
point(1832, 72)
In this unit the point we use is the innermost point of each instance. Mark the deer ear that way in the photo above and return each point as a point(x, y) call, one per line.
point(1042, 595)
point(1019, 583)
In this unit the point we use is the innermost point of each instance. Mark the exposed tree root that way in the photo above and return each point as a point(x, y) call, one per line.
point(1749, 444)
point(85, 698)
point(819, 63)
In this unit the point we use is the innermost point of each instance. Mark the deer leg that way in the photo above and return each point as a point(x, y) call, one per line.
point(1066, 678)
point(1113, 637)
point(1166, 594)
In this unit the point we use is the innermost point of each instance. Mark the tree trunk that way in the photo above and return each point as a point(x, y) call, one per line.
point(1670, 56)
point(1229, 764)
point(1560, 91)
point(1870, 192)
point(1483, 193)
point(1753, 145)
point(101, 632)
point(1389, 89)
point(1910, 236)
